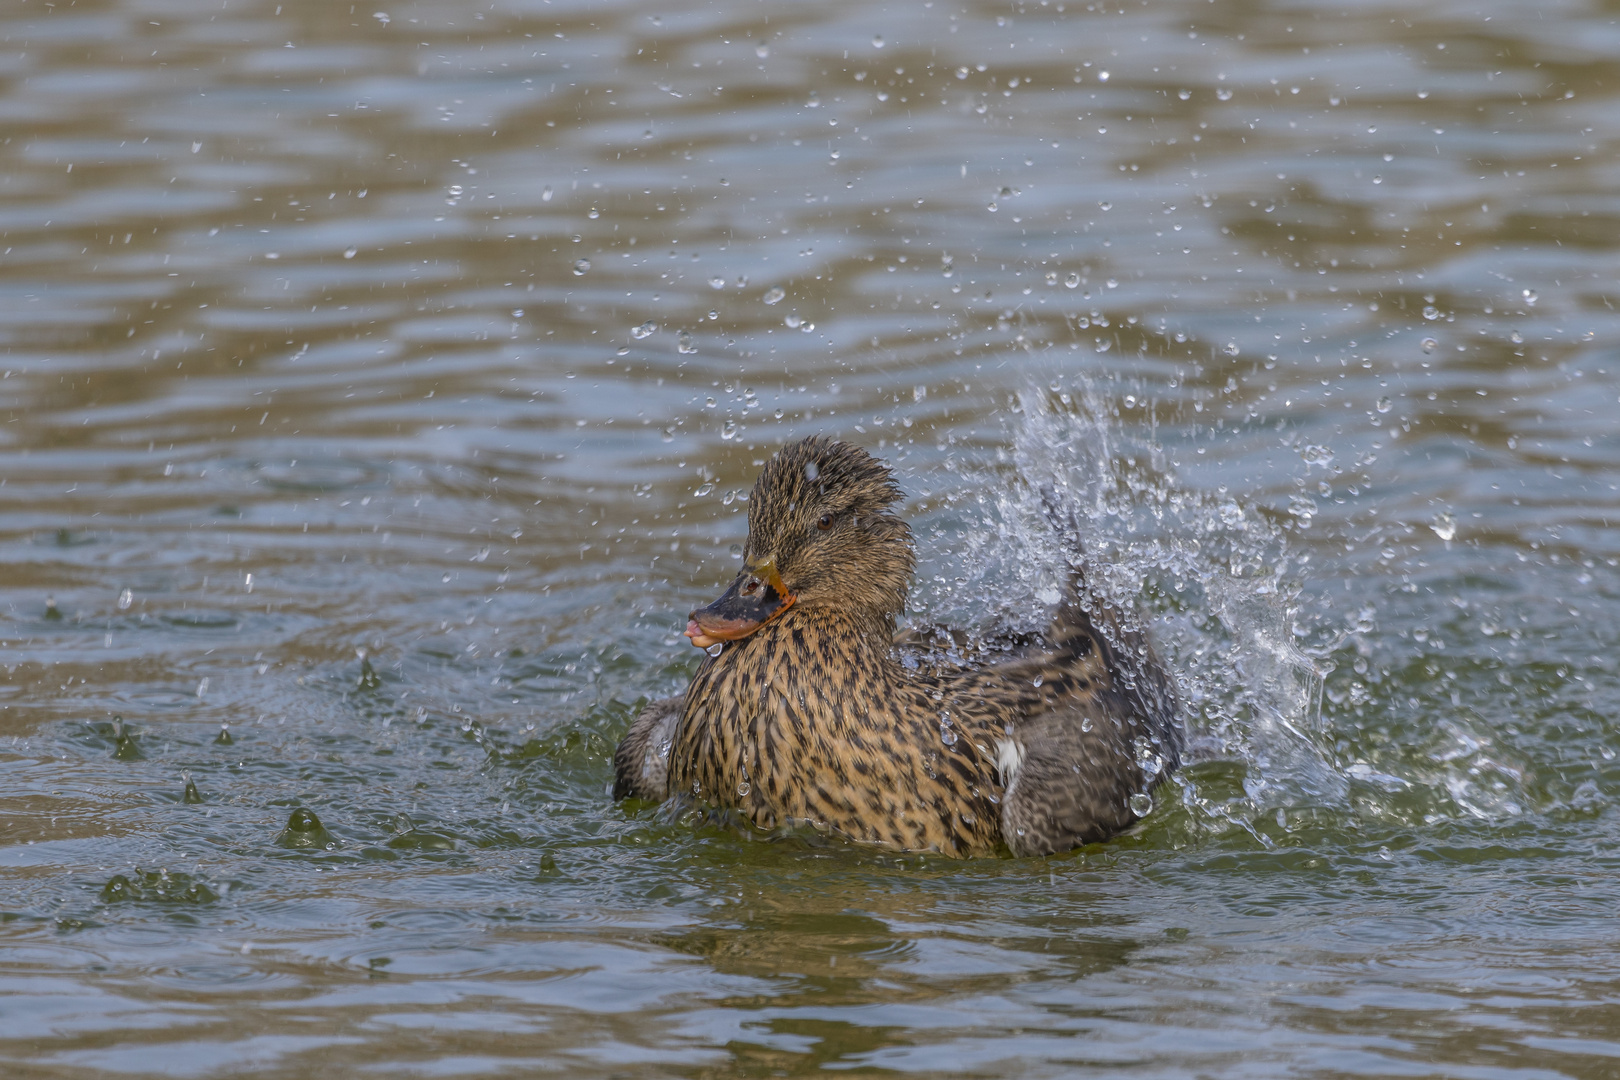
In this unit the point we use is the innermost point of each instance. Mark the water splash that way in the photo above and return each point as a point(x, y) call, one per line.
point(1207, 572)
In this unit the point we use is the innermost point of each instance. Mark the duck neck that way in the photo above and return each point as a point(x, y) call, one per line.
point(872, 631)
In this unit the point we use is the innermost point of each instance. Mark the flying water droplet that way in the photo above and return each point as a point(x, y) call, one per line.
point(645, 330)
point(684, 342)
point(1141, 804)
point(125, 599)
point(1445, 527)
point(581, 266)
point(1384, 405)
point(1315, 455)
point(1072, 281)
point(1429, 345)
point(775, 296)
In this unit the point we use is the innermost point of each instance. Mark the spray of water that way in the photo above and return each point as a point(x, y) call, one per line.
point(1205, 572)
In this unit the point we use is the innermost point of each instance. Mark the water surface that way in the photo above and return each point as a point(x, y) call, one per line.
point(380, 390)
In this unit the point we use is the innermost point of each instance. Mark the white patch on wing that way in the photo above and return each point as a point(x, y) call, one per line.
point(1009, 759)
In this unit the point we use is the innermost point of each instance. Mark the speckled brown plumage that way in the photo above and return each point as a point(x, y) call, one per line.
point(820, 716)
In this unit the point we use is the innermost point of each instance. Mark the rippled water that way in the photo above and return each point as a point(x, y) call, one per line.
point(380, 385)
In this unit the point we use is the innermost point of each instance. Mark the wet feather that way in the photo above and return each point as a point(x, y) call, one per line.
point(824, 716)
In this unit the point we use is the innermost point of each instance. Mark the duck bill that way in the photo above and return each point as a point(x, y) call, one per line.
point(754, 599)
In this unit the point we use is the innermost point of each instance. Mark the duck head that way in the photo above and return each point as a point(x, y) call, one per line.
point(820, 534)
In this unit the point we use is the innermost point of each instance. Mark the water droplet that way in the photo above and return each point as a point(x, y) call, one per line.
point(743, 788)
point(947, 734)
point(717, 282)
point(684, 342)
point(581, 266)
point(545, 195)
point(877, 41)
point(1184, 94)
point(761, 50)
point(1223, 93)
point(1384, 404)
point(645, 330)
point(1315, 454)
point(728, 431)
point(1429, 345)
point(1231, 348)
point(125, 599)
point(593, 213)
point(350, 253)
point(1516, 337)
point(1072, 281)
point(1431, 312)
point(1141, 804)
point(1445, 527)
point(775, 296)
point(1530, 297)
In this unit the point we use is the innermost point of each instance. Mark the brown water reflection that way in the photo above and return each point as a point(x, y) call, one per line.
point(380, 385)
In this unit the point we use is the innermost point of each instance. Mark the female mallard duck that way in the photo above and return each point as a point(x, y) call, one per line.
point(807, 709)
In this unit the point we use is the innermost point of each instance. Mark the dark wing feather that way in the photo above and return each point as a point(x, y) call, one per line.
point(641, 762)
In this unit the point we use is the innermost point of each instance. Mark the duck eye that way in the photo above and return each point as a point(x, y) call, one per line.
point(825, 523)
point(752, 586)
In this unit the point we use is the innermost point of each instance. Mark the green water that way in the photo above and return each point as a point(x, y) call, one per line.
point(380, 385)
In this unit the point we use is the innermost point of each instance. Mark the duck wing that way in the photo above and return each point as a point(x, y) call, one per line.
point(1072, 767)
point(641, 761)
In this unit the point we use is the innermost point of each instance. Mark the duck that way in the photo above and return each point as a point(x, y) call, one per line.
point(811, 707)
